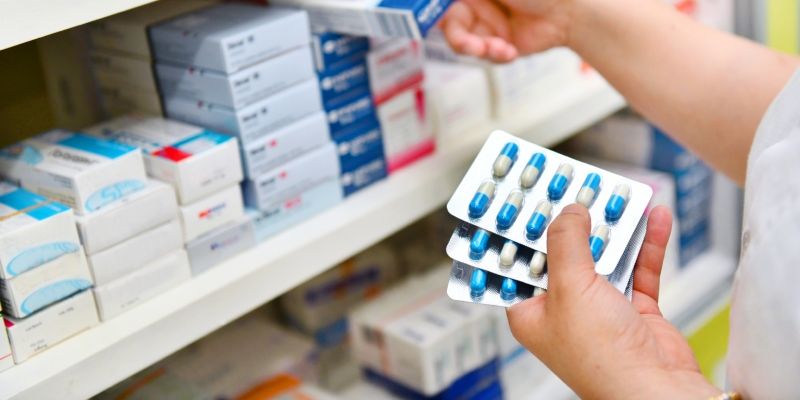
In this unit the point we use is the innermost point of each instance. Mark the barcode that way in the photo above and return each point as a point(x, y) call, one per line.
point(391, 24)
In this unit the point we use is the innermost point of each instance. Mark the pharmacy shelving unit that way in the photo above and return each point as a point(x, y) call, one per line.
point(98, 358)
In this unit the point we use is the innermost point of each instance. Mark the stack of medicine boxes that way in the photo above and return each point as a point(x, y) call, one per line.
point(246, 70)
point(341, 63)
point(121, 60)
point(204, 169)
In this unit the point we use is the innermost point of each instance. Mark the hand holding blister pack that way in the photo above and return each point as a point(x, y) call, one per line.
point(509, 196)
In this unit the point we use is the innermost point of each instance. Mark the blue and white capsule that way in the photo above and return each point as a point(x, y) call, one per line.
point(617, 202)
point(589, 190)
point(505, 160)
point(508, 213)
point(532, 171)
point(539, 220)
point(478, 244)
point(598, 241)
point(538, 261)
point(537, 291)
point(508, 254)
point(482, 199)
point(508, 289)
point(560, 182)
point(477, 283)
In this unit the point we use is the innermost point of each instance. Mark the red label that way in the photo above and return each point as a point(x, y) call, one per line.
point(172, 153)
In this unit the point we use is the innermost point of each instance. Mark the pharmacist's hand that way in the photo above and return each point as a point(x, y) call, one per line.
point(500, 30)
point(597, 342)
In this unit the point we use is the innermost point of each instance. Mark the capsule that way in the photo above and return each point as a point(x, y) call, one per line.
point(560, 182)
point(598, 241)
point(477, 283)
point(537, 291)
point(507, 254)
point(482, 199)
point(589, 190)
point(479, 244)
point(532, 171)
point(617, 202)
point(508, 213)
point(505, 160)
point(537, 263)
point(539, 220)
point(508, 290)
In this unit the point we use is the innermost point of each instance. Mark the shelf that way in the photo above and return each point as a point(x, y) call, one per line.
point(25, 20)
point(103, 356)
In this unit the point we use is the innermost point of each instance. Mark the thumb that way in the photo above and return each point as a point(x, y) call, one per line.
point(526, 320)
point(569, 260)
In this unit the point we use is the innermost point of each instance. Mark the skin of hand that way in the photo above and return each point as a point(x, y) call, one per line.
point(591, 336)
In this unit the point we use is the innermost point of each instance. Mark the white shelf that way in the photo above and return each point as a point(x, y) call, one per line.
point(103, 356)
point(25, 20)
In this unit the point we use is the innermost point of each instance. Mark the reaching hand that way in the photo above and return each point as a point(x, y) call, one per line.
point(597, 342)
point(500, 30)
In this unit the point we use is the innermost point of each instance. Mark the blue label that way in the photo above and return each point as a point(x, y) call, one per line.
point(343, 80)
point(52, 293)
point(22, 152)
point(336, 48)
point(207, 136)
point(426, 12)
point(353, 112)
point(111, 193)
point(39, 255)
point(358, 144)
point(101, 147)
point(34, 205)
point(364, 175)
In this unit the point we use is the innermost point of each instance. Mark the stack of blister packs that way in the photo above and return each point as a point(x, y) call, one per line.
point(507, 199)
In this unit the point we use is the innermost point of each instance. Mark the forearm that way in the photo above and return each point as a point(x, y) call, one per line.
point(706, 88)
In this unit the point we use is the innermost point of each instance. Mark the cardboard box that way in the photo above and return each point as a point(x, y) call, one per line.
point(371, 17)
point(152, 279)
point(338, 83)
point(238, 89)
point(359, 177)
point(254, 121)
point(6, 360)
point(195, 161)
point(127, 32)
point(395, 66)
point(127, 257)
point(458, 99)
point(357, 108)
point(331, 48)
point(229, 37)
point(114, 69)
point(407, 136)
point(53, 325)
point(211, 212)
point(136, 213)
point(33, 231)
point(83, 172)
point(45, 285)
point(214, 247)
point(358, 144)
point(285, 144)
point(285, 183)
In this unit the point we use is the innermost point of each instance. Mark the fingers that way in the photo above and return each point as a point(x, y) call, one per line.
point(647, 275)
point(492, 16)
point(470, 33)
point(569, 259)
point(525, 318)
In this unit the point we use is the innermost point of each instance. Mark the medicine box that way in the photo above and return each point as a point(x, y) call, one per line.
point(121, 99)
point(407, 135)
point(81, 171)
point(331, 48)
point(6, 359)
point(285, 183)
point(254, 121)
point(237, 89)
point(229, 37)
point(141, 211)
point(45, 285)
point(53, 325)
point(112, 69)
point(395, 66)
point(358, 144)
point(457, 99)
point(130, 255)
point(357, 108)
point(339, 82)
point(285, 144)
point(220, 244)
point(127, 32)
point(33, 230)
point(381, 18)
point(360, 176)
point(152, 279)
point(211, 212)
point(195, 161)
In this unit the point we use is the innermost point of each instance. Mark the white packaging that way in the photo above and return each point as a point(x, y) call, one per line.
point(195, 161)
point(237, 89)
point(285, 144)
point(394, 66)
point(146, 209)
point(113, 69)
point(45, 284)
point(229, 37)
point(286, 183)
point(407, 136)
point(53, 325)
point(211, 212)
point(457, 97)
point(127, 32)
point(33, 231)
point(373, 17)
point(6, 360)
point(83, 172)
point(121, 98)
point(130, 255)
point(114, 298)
point(254, 121)
point(220, 244)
